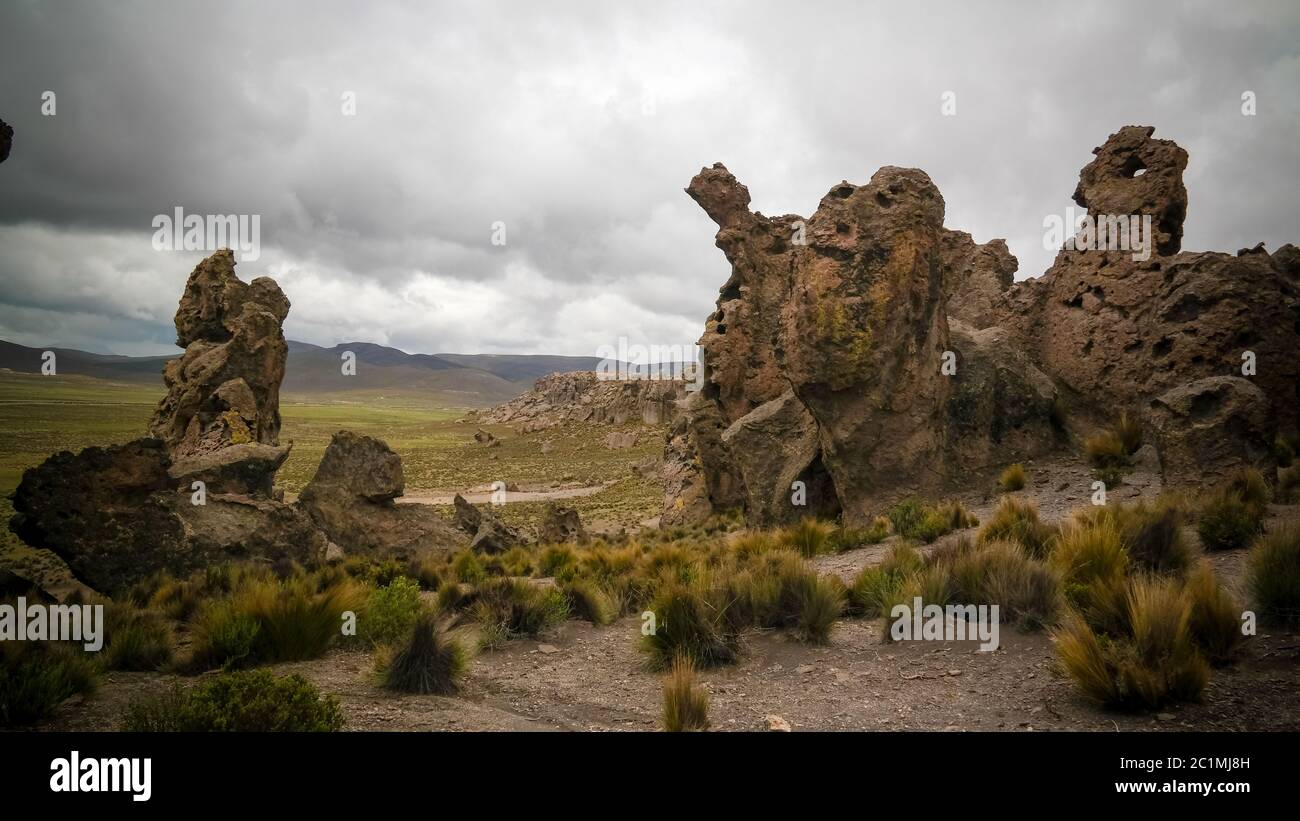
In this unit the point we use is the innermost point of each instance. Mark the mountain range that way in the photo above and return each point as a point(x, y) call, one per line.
point(468, 380)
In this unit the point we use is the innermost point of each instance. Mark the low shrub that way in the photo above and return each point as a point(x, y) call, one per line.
point(136, 639)
point(1234, 512)
point(589, 602)
point(874, 586)
point(1026, 591)
point(467, 568)
point(1153, 660)
point(224, 637)
point(1215, 619)
point(390, 612)
point(242, 701)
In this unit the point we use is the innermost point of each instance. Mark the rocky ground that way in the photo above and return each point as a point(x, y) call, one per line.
point(593, 678)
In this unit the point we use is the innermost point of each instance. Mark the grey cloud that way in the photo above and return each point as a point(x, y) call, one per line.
point(578, 125)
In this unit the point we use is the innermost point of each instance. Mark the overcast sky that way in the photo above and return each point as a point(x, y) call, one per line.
point(578, 126)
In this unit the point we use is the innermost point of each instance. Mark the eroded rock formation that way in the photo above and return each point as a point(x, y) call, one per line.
point(829, 359)
point(581, 396)
point(199, 491)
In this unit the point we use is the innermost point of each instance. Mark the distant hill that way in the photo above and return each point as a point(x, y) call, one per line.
point(470, 380)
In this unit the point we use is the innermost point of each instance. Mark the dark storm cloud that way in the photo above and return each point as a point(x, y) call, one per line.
point(577, 126)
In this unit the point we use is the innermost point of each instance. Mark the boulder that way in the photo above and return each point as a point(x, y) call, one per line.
point(351, 499)
point(248, 468)
point(774, 446)
point(1206, 429)
point(561, 524)
point(620, 440)
point(114, 515)
point(468, 517)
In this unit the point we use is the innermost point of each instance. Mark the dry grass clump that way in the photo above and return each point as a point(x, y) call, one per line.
point(1013, 478)
point(686, 704)
point(690, 622)
point(1273, 574)
point(507, 608)
point(1234, 513)
point(913, 519)
point(1017, 521)
point(427, 662)
point(1109, 450)
point(808, 538)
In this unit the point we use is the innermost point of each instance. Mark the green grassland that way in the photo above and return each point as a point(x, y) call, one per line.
point(40, 415)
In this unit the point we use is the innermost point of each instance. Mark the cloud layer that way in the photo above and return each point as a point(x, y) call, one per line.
point(577, 126)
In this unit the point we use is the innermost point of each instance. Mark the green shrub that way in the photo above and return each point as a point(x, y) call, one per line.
point(558, 561)
point(1283, 453)
point(428, 662)
point(686, 706)
point(906, 516)
point(875, 586)
point(1273, 574)
point(242, 701)
point(467, 568)
point(1013, 478)
point(390, 612)
point(1288, 484)
point(1017, 521)
point(36, 677)
point(427, 572)
point(1026, 591)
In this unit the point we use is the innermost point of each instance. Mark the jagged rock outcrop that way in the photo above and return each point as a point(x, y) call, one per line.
point(561, 524)
point(1135, 174)
point(225, 389)
point(582, 396)
point(1120, 330)
point(975, 277)
point(488, 534)
point(843, 329)
point(824, 362)
point(115, 516)
point(351, 498)
point(1206, 429)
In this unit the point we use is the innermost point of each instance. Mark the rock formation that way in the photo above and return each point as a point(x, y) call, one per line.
point(225, 389)
point(352, 499)
point(115, 516)
point(488, 533)
point(1205, 429)
point(868, 351)
point(6, 140)
point(561, 524)
point(582, 396)
point(118, 514)
point(824, 361)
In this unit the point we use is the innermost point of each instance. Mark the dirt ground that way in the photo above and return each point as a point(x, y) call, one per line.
point(593, 678)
